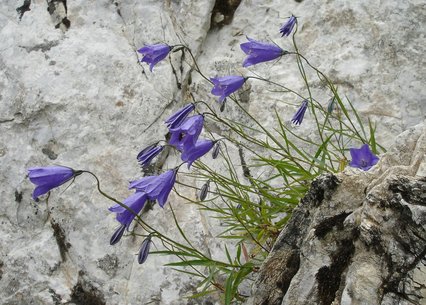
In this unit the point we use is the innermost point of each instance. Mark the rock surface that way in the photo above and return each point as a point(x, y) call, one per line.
point(356, 238)
point(73, 93)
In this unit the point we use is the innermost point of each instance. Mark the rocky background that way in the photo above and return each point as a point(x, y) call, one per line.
point(356, 237)
point(73, 93)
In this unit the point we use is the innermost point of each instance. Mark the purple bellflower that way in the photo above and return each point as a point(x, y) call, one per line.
point(185, 135)
point(260, 52)
point(154, 53)
point(156, 187)
point(47, 178)
point(148, 154)
point(134, 202)
point(298, 116)
point(201, 147)
point(179, 116)
point(363, 158)
point(287, 27)
point(144, 250)
point(224, 86)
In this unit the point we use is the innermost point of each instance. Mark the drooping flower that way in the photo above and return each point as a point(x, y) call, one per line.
point(154, 53)
point(298, 116)
point(201, 147)
point(363, 158)
point(148, 154)
point(260, 52)
point(156, 187)
point(287, 27)
point(135, 203)
point(115, 238)
point(224, 86)
point(47, 178)
point(186, 134)
point(179, 116)
point(144, 250)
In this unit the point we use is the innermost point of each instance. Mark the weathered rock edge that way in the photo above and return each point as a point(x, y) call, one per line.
point(356, 238)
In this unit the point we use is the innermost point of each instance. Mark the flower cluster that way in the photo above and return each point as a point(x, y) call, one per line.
point(184, 130)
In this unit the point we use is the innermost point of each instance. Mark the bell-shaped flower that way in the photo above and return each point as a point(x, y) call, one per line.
point(298, 116)
point(363, 158)
point(201, 147)
point(154, 53)
point(148, 154)
point(156, 187)
point(179, 116)
point(260, 52)
point(224, 86)
point(47, 178)
point(186, 134)
point(287, 27)
point(135, 203)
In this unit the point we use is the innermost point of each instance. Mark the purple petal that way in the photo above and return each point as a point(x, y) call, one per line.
point(224, 86)
point(41, 190)
point(363, 158)
point(179, 116)
point(197, 151)
point(288, 26)
point(154, 53)
point(135, 202)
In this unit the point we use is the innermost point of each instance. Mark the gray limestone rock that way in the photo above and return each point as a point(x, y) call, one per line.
point(72, 92)
point(356, 237)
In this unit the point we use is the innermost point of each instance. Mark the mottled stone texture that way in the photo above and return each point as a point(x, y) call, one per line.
point(72, 92)
point(356, 238)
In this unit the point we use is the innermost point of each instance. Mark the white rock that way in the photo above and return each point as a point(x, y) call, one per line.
point(79, 98)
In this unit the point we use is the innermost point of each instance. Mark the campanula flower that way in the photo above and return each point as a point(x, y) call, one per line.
point(298, 116)
point(144, 250)
point(288, 26)
point(47, 178)
point(115, 238)
point(156, 187)
point(154, 53)
point(224, 86)
point(200, 148)
point(260, 52)
point(363, 158)
point(186, 134)
point(135, 202)
point(179, 116)
point(147, 154)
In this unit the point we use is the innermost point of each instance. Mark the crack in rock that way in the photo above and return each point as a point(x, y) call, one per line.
point(25, 7)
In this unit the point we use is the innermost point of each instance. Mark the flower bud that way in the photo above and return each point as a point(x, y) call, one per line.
point(216, 150)
point(144, 250)
point(115, 238)
point(204, 190)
